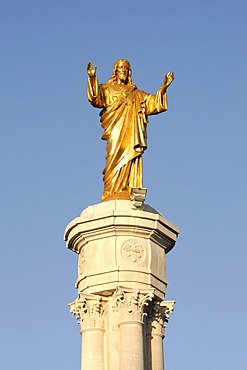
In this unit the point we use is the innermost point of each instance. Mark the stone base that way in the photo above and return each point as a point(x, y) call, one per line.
point(122, 247)
point(119, 246)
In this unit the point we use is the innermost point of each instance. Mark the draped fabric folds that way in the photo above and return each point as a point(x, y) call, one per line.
point(124, 120)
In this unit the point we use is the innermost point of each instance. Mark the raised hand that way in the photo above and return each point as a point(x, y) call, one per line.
point(91, 70)
point(169, 77)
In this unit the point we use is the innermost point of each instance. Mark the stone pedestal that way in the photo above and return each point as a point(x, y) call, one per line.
point(121, 284)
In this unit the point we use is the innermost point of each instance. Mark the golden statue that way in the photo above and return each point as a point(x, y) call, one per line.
point(124, 120)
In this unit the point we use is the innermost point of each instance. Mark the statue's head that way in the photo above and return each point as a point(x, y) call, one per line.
point(121, 72)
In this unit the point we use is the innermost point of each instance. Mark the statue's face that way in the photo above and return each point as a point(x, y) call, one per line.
point(123, 71)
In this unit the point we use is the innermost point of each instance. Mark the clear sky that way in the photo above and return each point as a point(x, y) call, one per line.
point(195, 168)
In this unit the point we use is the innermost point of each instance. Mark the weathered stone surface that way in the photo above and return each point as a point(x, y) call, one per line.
point(121, 284)
point(119, 246)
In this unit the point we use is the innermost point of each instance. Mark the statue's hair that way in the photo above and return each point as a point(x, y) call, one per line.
point(113, 78)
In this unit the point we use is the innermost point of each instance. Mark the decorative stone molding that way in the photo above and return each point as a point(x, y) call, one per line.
point(89, 311)
point(133, 251)
point(158, 314)
point(111, 218)
point(131, 305)
point(138, 196)
point(168, 307)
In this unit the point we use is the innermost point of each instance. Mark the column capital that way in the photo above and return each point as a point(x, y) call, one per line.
point(89, 311)
point(131, 304)
point(158, 314)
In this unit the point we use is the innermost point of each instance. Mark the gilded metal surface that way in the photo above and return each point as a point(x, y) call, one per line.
point(124, 120)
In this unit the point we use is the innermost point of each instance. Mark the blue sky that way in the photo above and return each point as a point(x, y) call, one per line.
point(195, 168)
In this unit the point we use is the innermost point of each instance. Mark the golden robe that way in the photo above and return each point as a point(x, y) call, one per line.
point(124, 120)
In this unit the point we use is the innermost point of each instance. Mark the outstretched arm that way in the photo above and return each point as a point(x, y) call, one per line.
point(158, 103)
point(95, 92)
point(169, 77)
point(92, 79)
point(91, 70)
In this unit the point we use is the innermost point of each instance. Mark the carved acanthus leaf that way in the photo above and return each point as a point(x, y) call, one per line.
point(88, 310)
point(158, 314)
point(168, 307)
point(132, 304)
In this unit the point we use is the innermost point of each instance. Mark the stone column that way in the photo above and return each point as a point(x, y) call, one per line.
point(89, 311)
point(92, 349)
point(131, 310)
point(131, 344)
point(158, 314)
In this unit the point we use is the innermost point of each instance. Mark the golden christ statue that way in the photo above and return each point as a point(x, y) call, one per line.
point(124, 120)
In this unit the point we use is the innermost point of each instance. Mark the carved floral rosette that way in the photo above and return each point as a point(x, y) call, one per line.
point(133, 251)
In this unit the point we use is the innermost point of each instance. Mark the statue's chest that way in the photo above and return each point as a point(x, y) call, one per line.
point(123, 96)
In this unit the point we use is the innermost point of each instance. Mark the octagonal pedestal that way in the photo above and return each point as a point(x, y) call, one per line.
point(121, 280)
point(119, 246)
